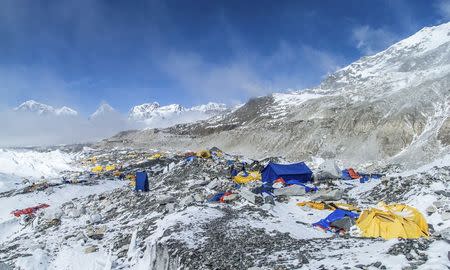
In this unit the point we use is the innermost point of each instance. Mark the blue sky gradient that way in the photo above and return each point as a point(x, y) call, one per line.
point(80, 53)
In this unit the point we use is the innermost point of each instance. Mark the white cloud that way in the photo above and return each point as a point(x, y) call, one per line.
point(443, 7)
point(248, 74)
point(29, 129)
point(213, 81)
point(370, 41)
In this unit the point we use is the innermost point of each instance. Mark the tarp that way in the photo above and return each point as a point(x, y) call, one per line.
point(29, 210)
point(330, 206)
point(336, 215)
point(141, 181)
point(297, 171)
point(393, 221)
point(349, 174)
point(110, 168)
point(155, 156)
point(246, 177)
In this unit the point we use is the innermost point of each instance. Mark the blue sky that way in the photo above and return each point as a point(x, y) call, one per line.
point(80, 53)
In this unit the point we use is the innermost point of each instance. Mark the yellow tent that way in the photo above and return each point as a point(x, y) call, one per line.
point(252, 176)
point(97, 169)
point(203, 154)
point(110, 168)
point(155, 156)
point(392, 221)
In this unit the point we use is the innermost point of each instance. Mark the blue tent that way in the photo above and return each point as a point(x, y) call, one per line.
point(142, 181)
point(297, 171)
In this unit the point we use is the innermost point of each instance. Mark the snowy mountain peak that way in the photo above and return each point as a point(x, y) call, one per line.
point(210, 107)
point(171, 108)
point(32, 106)
point(66, 111)
point(422, 57)
point(35, 107)
point(154, 115)
point(428, 38)
point(102, 110)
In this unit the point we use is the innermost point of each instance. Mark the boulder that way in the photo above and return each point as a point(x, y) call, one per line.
point(95, 218)
point(187, 200)
point(438, 204)
point(445, 234)
point(328, 195)
point(165, 199)
point(96, 233)
point(250, 196)
point(292, 190)
point(90, 249)
point(430, 210)
point(213, 184)
point(199, 198)
point(445, 216)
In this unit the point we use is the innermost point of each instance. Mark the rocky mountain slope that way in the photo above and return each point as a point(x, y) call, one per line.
point(390, 106)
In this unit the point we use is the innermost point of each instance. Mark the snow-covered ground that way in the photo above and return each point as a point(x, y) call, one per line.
point(34, 164)
point(173, 222)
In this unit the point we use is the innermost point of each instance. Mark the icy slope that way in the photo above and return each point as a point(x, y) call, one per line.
point(34, 164)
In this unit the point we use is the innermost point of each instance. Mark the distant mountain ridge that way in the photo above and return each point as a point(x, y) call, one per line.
point(32, 106)
point(147, 114)
point(148, 111)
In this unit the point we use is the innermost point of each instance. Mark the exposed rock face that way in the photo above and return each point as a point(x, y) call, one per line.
point(390, 105)
point(444, 132)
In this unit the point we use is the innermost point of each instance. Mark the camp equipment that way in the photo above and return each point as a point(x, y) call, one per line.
point(142, 181)
point(110, 168)
point(393, 221)
point(246, 177)
point(155, 156)
point(97, 169)
point(297, 171)
point(338, 214)
point(330, 206)
point(203, 154)
point(350, 174)
point(29, 210)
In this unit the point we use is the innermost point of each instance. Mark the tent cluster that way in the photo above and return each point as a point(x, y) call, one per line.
point(260, 184)
point(384, 221)
point(206, 154)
